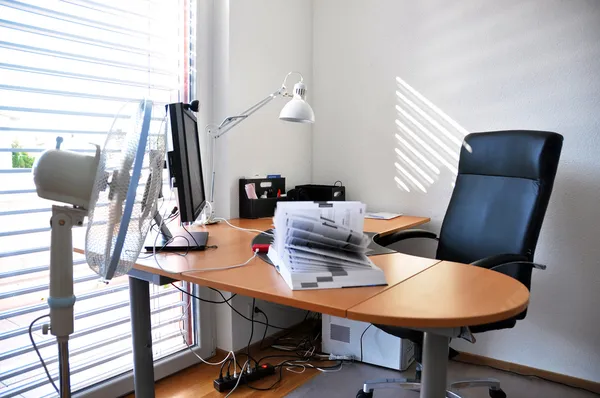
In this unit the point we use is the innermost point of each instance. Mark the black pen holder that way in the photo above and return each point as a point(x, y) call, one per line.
point(261, 207)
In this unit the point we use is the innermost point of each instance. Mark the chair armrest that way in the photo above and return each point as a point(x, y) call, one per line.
point(519, 264)
point(387, 240)
point(499, 259)
point(519, 270)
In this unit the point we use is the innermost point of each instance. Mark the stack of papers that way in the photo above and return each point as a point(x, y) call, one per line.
point(321, 245)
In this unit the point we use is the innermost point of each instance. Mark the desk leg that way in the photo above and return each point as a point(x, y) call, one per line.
point(435, 365)
point(141, 331)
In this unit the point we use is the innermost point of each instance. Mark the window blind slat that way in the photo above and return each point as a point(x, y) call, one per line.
point(73, 94)
point(83, 332)
point(82, 297)
point(24, 251)
point(108, 8)
point(87, 314)
point(82, 76)
point(66, 68)
point(50, 131)
point(73, 353)
point(23, 231)
point(20, 388)
point(79, 39)
point(73, 18)
point(41, 288)
point(82, 58)
point(68, 113)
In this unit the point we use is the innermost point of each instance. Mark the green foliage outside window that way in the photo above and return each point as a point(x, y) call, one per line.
point(21, 160)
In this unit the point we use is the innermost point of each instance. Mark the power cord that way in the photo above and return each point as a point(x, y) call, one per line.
point(251, 328)
point(38, 351)
point(248, 319)
point(361, 340)
point(221, 268)
point(256, 309)
point(243, 229)
point(201, 299)
point(231, 354)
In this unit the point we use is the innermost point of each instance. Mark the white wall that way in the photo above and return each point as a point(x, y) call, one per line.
point(489, 65)
point(258, 43)
point(245, 49)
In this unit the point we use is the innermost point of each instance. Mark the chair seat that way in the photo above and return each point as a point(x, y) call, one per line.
point(417, 337)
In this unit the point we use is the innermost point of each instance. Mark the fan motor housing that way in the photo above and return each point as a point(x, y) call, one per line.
point(65, 176)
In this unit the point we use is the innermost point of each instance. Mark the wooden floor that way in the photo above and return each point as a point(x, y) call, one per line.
point(197, 381)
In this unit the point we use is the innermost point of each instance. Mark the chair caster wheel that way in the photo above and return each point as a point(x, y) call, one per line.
point(362, 394)
point(497, 394)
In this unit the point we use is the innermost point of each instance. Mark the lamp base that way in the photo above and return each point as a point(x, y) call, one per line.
point(207, 216)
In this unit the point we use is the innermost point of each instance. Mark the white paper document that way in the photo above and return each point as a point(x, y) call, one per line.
point(382, 215)
point(320, 245)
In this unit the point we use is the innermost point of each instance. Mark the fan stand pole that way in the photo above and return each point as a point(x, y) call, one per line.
point(62, 299)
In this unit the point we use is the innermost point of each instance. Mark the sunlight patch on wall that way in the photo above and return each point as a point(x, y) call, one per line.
point(427, 142)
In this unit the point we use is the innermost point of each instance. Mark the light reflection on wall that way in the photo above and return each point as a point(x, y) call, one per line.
point(428, 141)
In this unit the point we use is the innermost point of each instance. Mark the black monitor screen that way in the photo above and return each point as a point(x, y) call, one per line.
point(185, 162)
point(194, 163)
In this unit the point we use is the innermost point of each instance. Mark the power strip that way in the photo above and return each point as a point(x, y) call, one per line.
point(228, 382)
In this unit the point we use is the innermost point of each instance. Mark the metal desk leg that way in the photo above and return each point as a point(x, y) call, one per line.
point(141, 332)
point(435, 365)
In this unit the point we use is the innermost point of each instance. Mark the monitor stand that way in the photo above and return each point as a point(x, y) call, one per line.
point(166, 242)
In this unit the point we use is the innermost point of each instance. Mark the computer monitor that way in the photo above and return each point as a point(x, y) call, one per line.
point(185, 163)
point(185, 169)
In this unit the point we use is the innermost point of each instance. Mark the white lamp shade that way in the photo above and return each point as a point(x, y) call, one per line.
point(297, 110)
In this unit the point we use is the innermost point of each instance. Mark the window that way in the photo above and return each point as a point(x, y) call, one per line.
point(66, 68)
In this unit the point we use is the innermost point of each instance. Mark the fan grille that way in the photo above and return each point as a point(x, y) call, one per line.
point(111, 187)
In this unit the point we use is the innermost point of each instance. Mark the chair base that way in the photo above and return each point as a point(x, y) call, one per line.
point(414, 385)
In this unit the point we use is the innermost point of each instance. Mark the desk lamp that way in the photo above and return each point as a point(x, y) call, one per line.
point(296, 110)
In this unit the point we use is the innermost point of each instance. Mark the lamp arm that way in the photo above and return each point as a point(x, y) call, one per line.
point(231, 121)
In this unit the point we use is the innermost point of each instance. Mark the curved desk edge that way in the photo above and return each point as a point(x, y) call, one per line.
point(446, 295)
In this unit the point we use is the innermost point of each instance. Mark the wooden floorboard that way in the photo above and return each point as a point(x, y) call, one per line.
point(197, 381)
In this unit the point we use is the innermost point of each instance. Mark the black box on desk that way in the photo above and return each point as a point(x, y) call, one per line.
point(322, 193)
point(261, 207)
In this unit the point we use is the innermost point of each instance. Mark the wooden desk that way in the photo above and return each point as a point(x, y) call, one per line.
point(448, 295)
point(421, 293)
point(261, 280)
point(234, 245)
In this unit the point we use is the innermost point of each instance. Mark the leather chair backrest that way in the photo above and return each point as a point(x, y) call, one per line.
point(500, 196)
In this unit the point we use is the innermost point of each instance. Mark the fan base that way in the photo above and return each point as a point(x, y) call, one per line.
point(192, 241)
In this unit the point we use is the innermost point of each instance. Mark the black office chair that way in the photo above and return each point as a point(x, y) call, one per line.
point(493, 221)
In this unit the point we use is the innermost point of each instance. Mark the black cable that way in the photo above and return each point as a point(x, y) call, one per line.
point(190, 234)
point(38, 351)
point(251, 328)
point(250, 358)
point(187, 249)
point(361, 339)
point(225, 301)
point(266, 327)
point(246, 318)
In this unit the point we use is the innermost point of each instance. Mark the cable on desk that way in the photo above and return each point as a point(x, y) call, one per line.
point(190, 234)
point(221, 268)
point(243, 229)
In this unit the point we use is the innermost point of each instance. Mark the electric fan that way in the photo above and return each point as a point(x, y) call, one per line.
point(117, 189)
